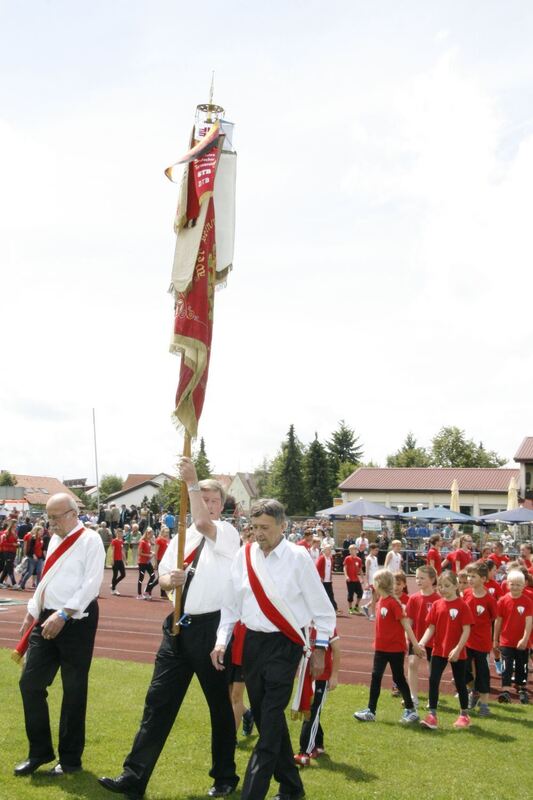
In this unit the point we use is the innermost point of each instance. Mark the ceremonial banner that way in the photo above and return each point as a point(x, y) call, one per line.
point(207, 192)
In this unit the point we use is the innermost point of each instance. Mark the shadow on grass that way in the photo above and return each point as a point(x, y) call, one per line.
point(350, 772)
point(484, 733)
point(78, 784)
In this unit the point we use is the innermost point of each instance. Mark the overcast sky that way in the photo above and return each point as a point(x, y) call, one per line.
point(383, 265)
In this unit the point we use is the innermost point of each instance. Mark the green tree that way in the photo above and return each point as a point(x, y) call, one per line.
point(342, 448)
point(110, 484)
point(262, 478)
point(7, 478)
point(451, 448)
point(168, 496)
point(291, 489)
point(201, 462)
point(317, 479)
point(88, 502)
point(409, 455)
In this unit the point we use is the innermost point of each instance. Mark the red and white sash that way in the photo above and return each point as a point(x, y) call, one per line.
point(280, 615)
point(65, 548)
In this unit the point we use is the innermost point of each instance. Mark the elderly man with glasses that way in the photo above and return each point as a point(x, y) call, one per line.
point(58, 632)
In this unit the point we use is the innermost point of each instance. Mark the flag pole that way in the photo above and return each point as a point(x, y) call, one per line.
point(182, 532)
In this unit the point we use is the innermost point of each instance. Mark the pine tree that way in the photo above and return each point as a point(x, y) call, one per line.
point(317, 479)
point(291, 486)
point(201, 462)
point(343, 449)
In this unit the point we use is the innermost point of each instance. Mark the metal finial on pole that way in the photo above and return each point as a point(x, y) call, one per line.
point(212, 89)
point(211, 110)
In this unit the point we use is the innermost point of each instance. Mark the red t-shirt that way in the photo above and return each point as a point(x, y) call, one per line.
point(483, 610)
point(304, 543)
point(404, 597)
point(462, 558)
point(435, 556)
point(353, 566)
point(10, 542)
point(418, 607)
point(390, 633)
point(448, 617)
point(499, 560)
point(513, 612)
point(493, 588)
point(162, 545)
point(527, 563)
point(118, 549)
point(144, 552)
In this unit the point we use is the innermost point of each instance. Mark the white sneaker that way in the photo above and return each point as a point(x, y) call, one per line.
point(365, 716)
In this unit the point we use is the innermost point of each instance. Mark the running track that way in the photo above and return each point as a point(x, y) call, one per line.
point(130, 629)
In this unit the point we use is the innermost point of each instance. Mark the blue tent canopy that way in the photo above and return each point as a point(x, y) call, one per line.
point(517, 516)
point(359, 508)
point(439, 514)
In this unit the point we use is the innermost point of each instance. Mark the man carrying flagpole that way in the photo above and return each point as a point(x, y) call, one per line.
point(276, 593)
point(209, 549)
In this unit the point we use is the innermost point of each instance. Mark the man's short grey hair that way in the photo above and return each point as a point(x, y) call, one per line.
point(272, 508)
point(213, 486)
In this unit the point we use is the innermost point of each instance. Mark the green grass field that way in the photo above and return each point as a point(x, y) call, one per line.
point(365, 760)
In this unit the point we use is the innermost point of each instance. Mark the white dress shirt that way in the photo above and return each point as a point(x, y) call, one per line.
point(298, 583)
point(76, 582)
point(211, 583)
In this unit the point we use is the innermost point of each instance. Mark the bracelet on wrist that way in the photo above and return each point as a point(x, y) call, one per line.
point(63, 614)
point(194, 487)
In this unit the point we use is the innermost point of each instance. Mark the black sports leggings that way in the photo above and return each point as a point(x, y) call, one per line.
point(437, 667)
point(143, 569)
point(514, 660)
point(381, 659)
point(119, 573)
point(482, 674)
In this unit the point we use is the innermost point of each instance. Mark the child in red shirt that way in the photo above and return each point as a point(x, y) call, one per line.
point(352, 566)
point(434, 558)
point(483, 608)
point(392, 626)
point(511, 636)
point(144, 563)
point(119, 570)
point(418, 607)
point(449, 622)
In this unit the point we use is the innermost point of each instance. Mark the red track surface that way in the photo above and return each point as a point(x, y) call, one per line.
point(130, 629)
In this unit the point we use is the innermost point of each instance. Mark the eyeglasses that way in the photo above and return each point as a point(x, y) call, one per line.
point(55, 517)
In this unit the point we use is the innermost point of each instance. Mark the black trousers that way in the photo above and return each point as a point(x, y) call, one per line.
point(514, 661)
point(477, 670)
point(71, 652)
point(396, 661)
point(143, 569)
point(270, 661)
point(328, 586)
point(178, 659)
point(119, 573)
point(437, 667)
point(312, 735)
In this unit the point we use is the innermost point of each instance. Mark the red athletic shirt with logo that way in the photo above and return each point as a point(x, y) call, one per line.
point(435, 556)
point(162, 545)
point(353, 566)
point(448, 617)
point(484, 613)
point(144, 552)
point(493, 588)
point(118, 549)
point(418, 607)
point(390, 633)
point(499, 559)
point(513, 612)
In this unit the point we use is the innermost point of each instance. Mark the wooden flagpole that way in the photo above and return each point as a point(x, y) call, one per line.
point(182, 532)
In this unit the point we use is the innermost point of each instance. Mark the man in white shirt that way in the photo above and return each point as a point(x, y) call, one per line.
point(66, 615)
point(271, 658)
point(205, 582)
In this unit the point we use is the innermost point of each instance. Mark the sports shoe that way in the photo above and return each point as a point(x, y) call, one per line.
point(371, 616)
point(365, 716)
point(139, 597)
point(302, 759)
point(498, 666)
point(484, 710)
point(395, 692)
point(147, 597)
point(522, 696)
point(430, 721)
point(247, 722)
point(357, 611)
point(504, 697)
point(462, 721)
point(318, 751)
point(473, 699)
point(366, 612)
point(409, 716)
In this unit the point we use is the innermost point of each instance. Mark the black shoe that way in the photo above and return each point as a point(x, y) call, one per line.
point(286, 796)
point(29, 766)
point(62, 769)
point(221, 790)
point(122, 785)
point(247, 723)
